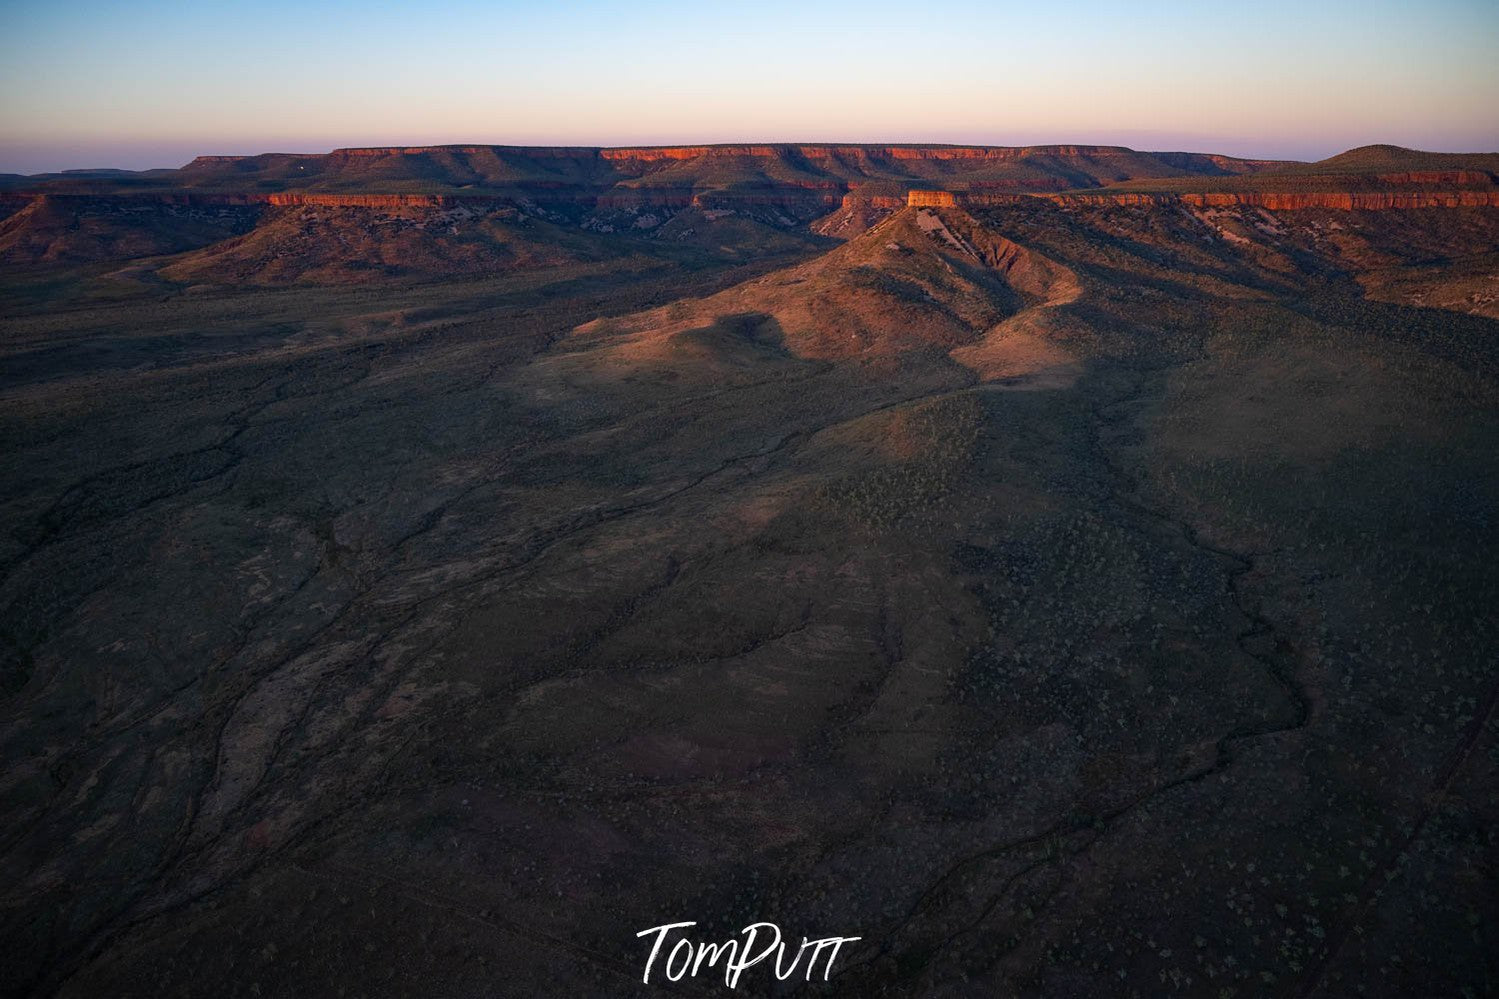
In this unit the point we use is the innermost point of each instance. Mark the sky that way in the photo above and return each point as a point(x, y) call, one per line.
point(152, 84)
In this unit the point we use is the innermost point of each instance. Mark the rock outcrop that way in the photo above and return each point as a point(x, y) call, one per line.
point(585, 172)
point(930, 199)
point(1282, 200)
point(368, 200)
point(1271, 200)
point(803, 180)
point(837, 190)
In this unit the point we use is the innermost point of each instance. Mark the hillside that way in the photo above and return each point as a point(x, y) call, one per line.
point(411, 588)
point(579, 172)
point(416, 212)
point(1370, 169)
point(70, 230)
point(1391, 159)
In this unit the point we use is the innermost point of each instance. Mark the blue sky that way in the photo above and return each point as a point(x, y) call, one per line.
point(154, 83)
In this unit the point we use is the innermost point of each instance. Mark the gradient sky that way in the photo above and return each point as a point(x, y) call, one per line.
point(144, 84)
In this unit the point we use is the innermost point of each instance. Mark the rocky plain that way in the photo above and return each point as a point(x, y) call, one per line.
point(424, 569)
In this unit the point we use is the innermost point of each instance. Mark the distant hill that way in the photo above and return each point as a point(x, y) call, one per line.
point(561, 172)
point(366, 214)
point(1381, 159)
point(804, 179)
point(1365, 169)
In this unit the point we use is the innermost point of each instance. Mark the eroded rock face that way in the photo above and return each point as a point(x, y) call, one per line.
point(864, 152)
point(998, 584)
point(591, 170)
point(1271, 200)
point(834, 190)
point(1349, 201)
point(803, 181)
point(931, 199)
point(362, 200)
point(1278, 200)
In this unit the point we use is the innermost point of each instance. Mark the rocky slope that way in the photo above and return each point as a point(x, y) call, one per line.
point(584, 172)
point(1066, 598)
point(48, 229)
point(674, 193)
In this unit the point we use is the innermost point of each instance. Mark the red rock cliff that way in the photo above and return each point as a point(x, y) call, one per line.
point(1289, 201)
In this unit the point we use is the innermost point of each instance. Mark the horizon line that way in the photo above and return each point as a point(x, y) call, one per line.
point(777, 143)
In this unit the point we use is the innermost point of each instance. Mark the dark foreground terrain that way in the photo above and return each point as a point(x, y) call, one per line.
point(1070, 596)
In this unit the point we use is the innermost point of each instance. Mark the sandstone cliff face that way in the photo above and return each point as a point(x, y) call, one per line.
point(1280, 201)
point(1449, 178)
point(799, 201)
point(828, 152)
point(805, 181)
point(364, 200)
point(1359, 200)
point(780, 185)
point(648, 154)
point(1272, 200)
point(591, 171)
point(930, 199)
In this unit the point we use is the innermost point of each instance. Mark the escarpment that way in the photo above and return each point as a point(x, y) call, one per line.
point(364, 200)
point(833, 190)
point(1351, 201)
point(931, 199)
point(805, 175)
point(1287, 200)
point(582, 172)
